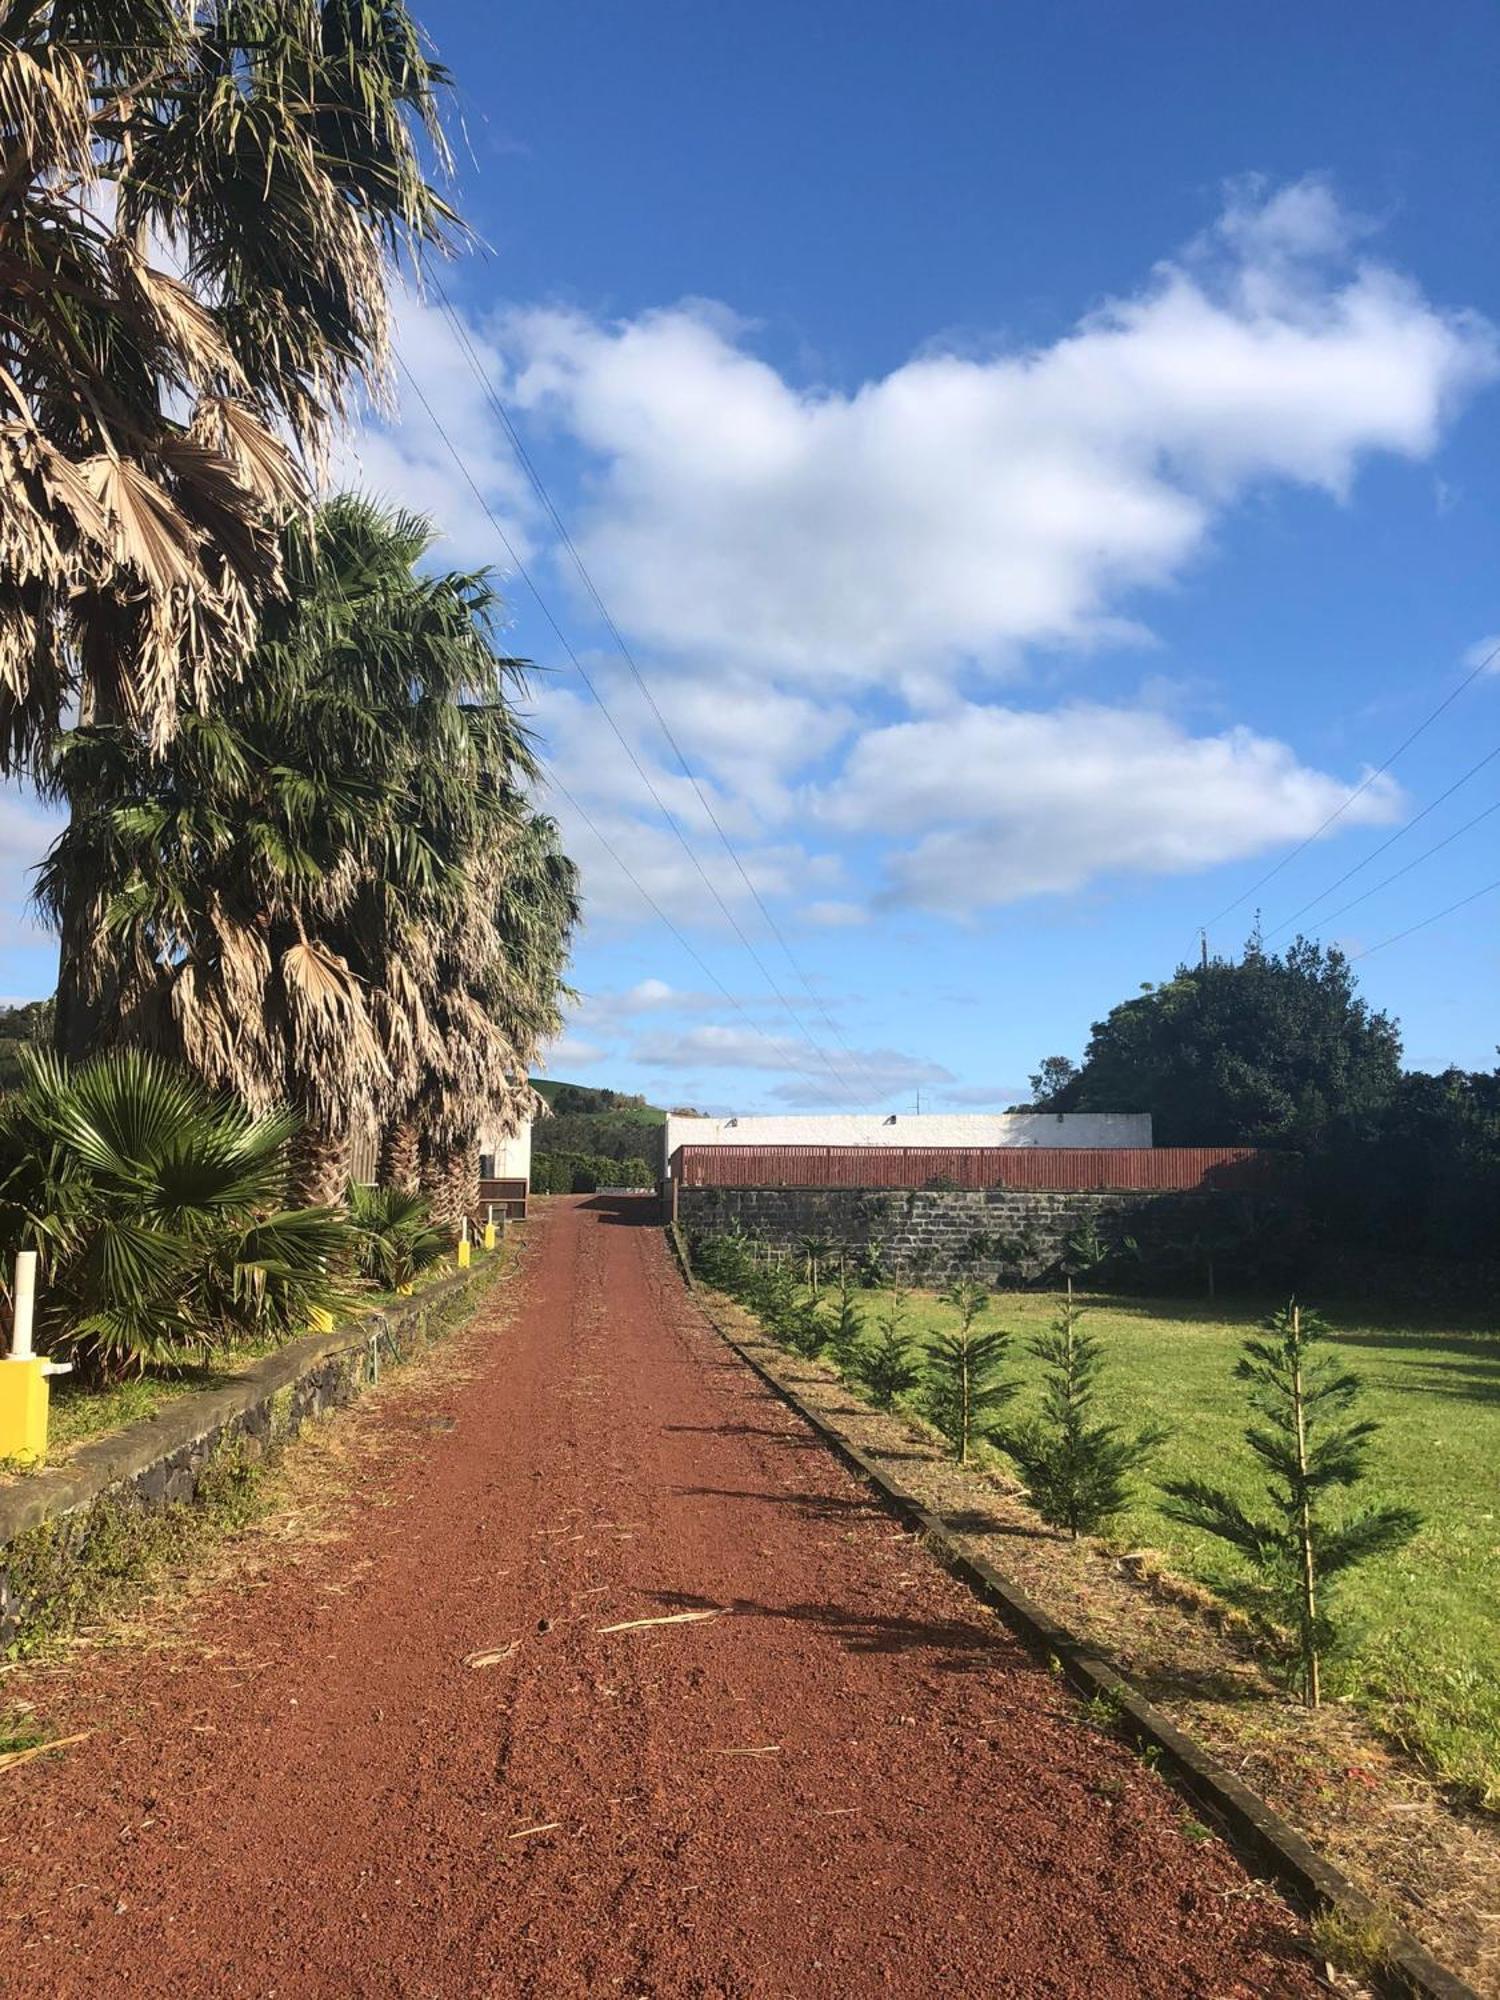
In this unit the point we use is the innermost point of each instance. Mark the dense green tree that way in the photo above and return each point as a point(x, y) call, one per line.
point(28, 1026)
point(1265, 1050)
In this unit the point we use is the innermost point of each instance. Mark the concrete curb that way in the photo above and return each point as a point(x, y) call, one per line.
point(1253, 1826)
point(120, 1457)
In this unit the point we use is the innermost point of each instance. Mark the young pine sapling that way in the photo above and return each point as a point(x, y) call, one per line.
point(1074, 1468)
point(964, 1390)
point(848, 1326)
point(1295, 1549)
point(888, 1367)
point(815, 1252)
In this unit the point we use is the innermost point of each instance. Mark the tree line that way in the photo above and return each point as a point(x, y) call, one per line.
point(1280, 1050)
point(303, 880)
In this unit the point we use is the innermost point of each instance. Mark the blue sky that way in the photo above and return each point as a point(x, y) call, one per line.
point(1041, 461)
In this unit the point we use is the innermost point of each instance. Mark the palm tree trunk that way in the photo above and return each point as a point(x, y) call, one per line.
point(320, 1168)
point(78, 1015)
point(399, 1155)
point(450, 1180)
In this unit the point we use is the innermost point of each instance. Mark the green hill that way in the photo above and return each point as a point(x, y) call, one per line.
point(591, 1128)
point(574, 1100)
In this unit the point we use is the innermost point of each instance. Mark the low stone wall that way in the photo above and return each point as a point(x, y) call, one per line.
point(161, 1460)
point(997, 1235)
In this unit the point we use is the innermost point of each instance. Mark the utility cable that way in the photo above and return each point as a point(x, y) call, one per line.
point(1361, 788)
point(1436, 917)
point(539, 486)
point(1426, 855)
point(583, 674)
point(1376, 852)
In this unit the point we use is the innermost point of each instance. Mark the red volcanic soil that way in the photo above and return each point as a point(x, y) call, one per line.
point(848, 1780)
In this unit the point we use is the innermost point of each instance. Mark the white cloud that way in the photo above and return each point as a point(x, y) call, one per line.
point(847, 1078)
point(794, 562)
point(960, 508)
point(1006, 802)
point(1485, 653)
point(569, 1053)
point(835, 915)
point(647, 996)
point(399, 454)
point(694, 889)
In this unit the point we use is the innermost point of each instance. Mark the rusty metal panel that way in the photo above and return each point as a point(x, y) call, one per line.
point(1052, 1169)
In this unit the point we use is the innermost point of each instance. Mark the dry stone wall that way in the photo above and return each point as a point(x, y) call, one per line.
point(998, 1235)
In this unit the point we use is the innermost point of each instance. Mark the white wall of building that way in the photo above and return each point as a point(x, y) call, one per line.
point(925, 1128)
point(512, 1154)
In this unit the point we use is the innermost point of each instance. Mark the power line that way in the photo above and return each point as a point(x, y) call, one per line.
point(1436, 917)
point(1339, 811)
point(1376, 852)
point(539, 486)
point(1426, 855)
point(556, 784)
point(583, 675)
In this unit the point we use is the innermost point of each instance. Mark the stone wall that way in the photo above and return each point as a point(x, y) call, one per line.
point(997, 1235)
point(159, 1461)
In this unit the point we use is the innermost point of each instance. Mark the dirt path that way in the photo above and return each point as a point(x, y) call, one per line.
point(849, 1781)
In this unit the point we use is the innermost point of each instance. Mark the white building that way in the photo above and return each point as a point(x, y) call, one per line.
point(922, 1128)
point(506, 1158)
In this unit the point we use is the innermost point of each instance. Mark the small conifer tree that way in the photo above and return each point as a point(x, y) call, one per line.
point(1074, 1468)
point(1296, 1551)
point(815, 1252)
point(964, 1389)
point(888, 1367)
point(848, 1326)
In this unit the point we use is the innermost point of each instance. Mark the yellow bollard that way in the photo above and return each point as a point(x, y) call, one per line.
point(465, 1248)
point(23, 1409)
point(23, 1376)
point(489, 1227)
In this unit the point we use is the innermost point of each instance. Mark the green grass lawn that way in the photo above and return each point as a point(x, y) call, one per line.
point(1424, 1652)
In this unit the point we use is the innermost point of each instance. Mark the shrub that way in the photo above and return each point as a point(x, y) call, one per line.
point(888, 1367)
point(964, 1388)
point(848, 1325)
point(394, 1238)
point(158, 1212)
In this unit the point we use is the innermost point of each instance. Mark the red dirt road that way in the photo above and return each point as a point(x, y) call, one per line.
point(850, 1781)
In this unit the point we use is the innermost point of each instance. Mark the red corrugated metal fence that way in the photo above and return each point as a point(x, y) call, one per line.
point(1059, 1169)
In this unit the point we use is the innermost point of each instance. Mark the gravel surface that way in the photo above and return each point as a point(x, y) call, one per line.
point(414, 1763)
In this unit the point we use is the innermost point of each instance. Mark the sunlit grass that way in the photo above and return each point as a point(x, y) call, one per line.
point(1424, 1648)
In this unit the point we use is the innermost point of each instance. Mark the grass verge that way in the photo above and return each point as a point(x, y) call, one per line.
point(1422, 1650)
point(1405, 1839)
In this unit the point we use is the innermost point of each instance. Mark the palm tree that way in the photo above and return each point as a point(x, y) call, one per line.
point(199, 206)
point(161, 1213)
point(332, 892)
point(497, 991)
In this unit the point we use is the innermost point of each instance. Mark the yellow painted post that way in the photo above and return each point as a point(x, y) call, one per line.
point(23, 1410)
point(489, 1227)
point(465, 1247)
point(23, 1376)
